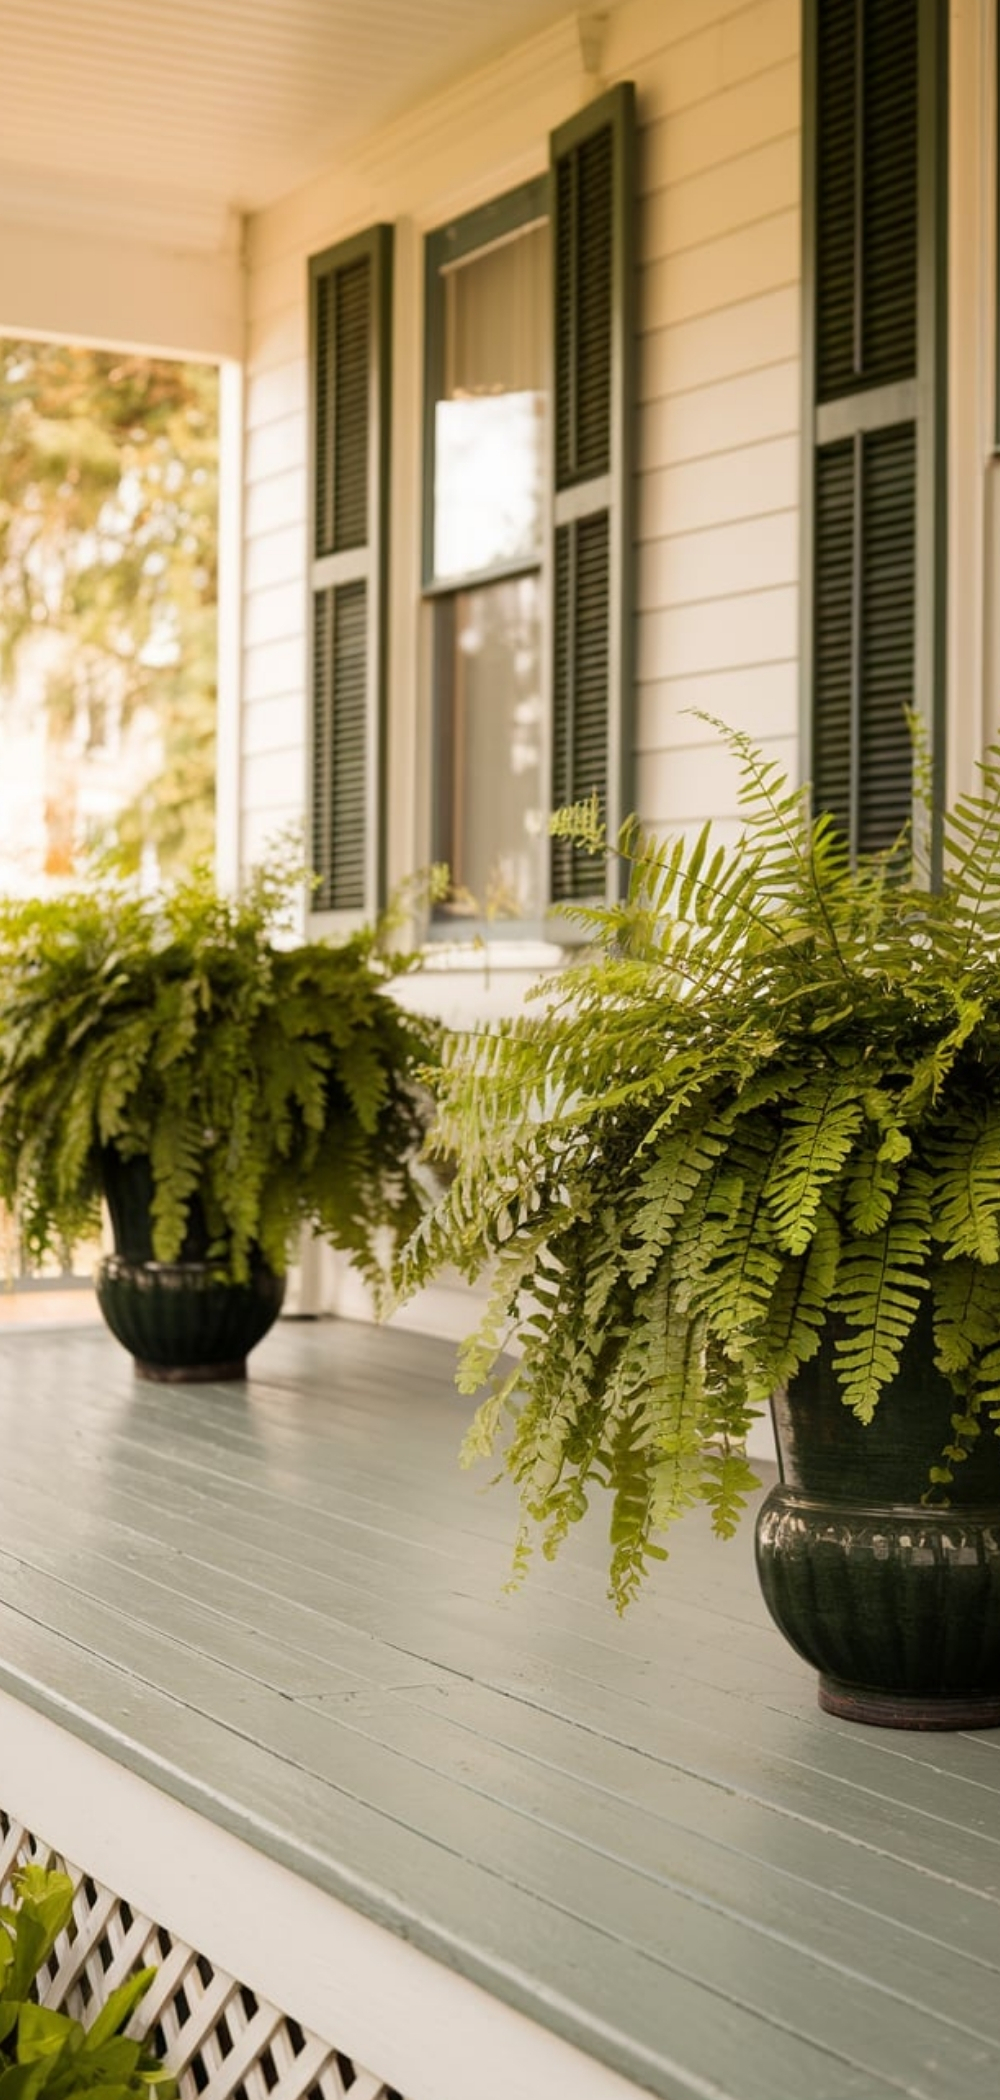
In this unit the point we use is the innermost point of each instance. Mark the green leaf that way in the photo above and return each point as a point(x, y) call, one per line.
point(879, 1288)
point(118, 2009)
point(965, 1154)
point(819, 1133)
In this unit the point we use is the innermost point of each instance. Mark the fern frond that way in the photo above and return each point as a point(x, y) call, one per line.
point(879, 1288)
point(964, 1153)
point(966, 1312)
point(792, 1329)
point(819, 1133)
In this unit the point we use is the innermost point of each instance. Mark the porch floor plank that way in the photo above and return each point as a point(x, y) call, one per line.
point(283, 1604)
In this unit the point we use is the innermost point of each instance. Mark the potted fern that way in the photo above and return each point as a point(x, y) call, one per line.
point(747, 1150)
point(219, 1085)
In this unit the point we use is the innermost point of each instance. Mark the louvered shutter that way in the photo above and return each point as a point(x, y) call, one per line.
point(350, 302)
point(874, 195)
point(592, 159)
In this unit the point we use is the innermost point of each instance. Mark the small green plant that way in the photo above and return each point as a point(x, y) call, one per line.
point(46, 2055)
point(773, 1092)
point(273, 1083)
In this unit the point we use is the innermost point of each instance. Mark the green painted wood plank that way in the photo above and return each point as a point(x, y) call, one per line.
point(660, 1793)
point(342, 1661)
point(887, 1947)
point(792, 1990)
point(666, 2034)
point(830, 1865)
point(602, 1668)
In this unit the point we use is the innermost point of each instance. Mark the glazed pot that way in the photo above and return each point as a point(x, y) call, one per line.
point(894, 1600)
point(181, 1320)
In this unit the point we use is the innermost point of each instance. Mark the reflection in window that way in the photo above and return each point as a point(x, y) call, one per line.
point(490, 750)
point(489, 423)
point(489, 408)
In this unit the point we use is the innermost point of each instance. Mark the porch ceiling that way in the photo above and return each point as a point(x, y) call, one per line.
point(231, 102)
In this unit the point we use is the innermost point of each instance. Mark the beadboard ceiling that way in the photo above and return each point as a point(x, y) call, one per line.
point(227, 103)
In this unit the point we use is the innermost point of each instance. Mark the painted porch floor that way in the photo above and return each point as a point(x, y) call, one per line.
point(281, 1603)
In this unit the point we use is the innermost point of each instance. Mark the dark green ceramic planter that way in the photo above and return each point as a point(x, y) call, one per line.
point(181, 1320)
point(896, 1604)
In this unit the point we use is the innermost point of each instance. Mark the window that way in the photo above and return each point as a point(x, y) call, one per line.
point(489, 391)
point(874, 495)
point(530, 324)
point(526, 532)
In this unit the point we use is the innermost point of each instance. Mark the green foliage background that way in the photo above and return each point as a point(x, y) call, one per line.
point(108, 536)
point(772, 1092)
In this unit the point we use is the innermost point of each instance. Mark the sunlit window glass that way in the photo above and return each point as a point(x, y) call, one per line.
point(490, 421)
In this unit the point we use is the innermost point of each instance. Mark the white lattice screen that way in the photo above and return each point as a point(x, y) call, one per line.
point(221, 2040)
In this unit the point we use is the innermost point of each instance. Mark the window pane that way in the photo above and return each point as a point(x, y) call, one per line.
point(490, 750)
point(489, 427)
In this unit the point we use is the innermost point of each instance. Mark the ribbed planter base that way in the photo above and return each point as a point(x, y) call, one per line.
point(896, 1710)
point(897, 1607)
point(889, 1592)
point(190, 1374)
point(183, 1323)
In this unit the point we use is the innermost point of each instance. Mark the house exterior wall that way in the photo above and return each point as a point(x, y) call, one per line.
point(718, 99)
point(718, 104)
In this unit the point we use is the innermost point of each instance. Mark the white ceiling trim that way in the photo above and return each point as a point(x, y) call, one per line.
point(184, 222)
point(245, 101)
point(570, 46)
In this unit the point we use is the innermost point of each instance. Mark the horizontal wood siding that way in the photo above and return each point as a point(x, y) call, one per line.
point(718, 93)
point(718, 448)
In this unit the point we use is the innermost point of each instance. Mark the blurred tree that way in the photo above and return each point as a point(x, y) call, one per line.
point(108, 547)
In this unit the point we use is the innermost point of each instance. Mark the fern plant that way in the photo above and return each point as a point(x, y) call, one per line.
point(769, 1090)
point(270, 1084)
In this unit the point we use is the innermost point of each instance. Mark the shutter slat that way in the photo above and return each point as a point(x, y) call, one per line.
point(349, 435)
point(832, 616)
point(594, 322)
point(582, 660)
point(880, 283)
point(888, 633)
point(865, 56)
point(351, 440)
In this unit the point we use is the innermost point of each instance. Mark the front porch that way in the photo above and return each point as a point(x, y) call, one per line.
point(257, 1679)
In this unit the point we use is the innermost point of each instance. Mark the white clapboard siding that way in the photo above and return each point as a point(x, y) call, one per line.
point(764, 107)
point(761, 699)
point(758, 628)
point(275, 446)
point(273, 668)
point(280, 500)
point(714, 203)
point(759, 332)
point(717, 417)
point(735, 266)
point(749, 482)
point(268, 724)
point(279, 336)
point(274, 776)
point(275, 392)
point(754, 555)
point(275, 556)
point(689, 787)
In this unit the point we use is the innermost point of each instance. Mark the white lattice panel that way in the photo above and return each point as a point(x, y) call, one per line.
point(220, 2039)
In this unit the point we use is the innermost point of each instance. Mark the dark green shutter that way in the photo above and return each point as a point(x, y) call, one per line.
point(874, 345)
point(593, 211)
point(350, 348)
